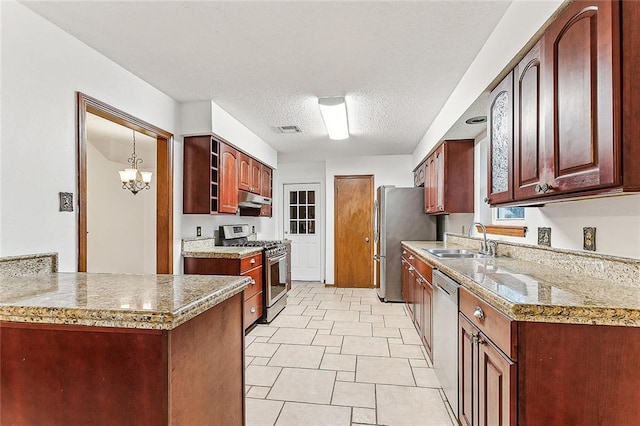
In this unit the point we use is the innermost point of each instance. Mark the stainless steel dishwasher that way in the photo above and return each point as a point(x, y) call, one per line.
point(445, 335)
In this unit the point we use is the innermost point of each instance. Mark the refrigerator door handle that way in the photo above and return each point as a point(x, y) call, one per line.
point(374, 219)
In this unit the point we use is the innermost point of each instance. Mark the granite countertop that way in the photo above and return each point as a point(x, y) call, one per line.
point(160, 302)
point(205, 247)
point(529, 291)
point(222, 252)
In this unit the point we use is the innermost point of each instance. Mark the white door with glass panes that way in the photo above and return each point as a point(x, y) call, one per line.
point(302, 226)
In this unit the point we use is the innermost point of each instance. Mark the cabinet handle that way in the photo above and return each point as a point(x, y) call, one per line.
point(404, 252)
point(543, 189)
point(411, 257)
point(252, 281)
point(478, 313)
point(253, 310)
point(252, 261)
point(411, 268)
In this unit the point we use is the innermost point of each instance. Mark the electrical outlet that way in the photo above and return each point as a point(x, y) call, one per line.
point(544, 237)
point(589, 238)
point(198, 231)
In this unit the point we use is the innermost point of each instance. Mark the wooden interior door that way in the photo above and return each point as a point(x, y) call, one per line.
point(353, 212)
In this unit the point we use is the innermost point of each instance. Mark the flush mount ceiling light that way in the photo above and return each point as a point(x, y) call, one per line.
point(476, 120)
point(334, 114)
point(133, 179)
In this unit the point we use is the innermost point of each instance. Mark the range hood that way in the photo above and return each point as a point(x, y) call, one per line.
point(248, 199)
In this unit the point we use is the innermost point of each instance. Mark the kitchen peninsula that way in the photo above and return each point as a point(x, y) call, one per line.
point(81, 348)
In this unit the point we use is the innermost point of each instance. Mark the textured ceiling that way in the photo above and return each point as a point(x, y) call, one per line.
point(266, 62)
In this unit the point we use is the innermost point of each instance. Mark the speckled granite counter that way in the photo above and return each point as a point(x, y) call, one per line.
point(114, 300)
point(223, 252)
point(529, 291)
point(206, 248)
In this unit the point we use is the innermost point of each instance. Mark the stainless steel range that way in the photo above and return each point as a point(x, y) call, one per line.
point(276, 268)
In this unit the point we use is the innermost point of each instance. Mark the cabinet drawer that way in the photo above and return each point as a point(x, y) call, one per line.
point(256, 287)
point(250, 262)
point(499, 328)
point(252, 309)
point(421, 266)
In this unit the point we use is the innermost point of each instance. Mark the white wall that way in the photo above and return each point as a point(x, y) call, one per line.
point(519, 24)
point(206, 117)
point(386, 169)
point(121, 226)
point(617, 219)
point(42, 68)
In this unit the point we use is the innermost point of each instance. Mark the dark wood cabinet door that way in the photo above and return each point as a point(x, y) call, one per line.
point(528, 143)
point(244, 171)
point(439, 172)
point(582, 81)
point(266, 188)
point(427, 315)
point(228, 187)
point(430, 185)
point(256, 181)
point(500, 131)
point(467, 367)
point(404, 278)
point(496, 387)
point(196, 178)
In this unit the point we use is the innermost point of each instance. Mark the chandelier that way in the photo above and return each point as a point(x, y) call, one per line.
point(133, 179)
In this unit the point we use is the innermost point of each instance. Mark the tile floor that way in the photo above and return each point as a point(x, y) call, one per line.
point(340, 357)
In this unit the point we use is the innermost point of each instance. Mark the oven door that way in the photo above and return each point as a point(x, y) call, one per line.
point(276, 279)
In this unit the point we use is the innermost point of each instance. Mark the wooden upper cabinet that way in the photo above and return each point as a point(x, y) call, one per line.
point(500, 131)
point(265, 188)
point(528, 144)
point(200, 175)
point(430, 185)
point(449, 178)
point(582, 82)
point(228, 197)
point(248, 173)
point(419, 174)
point(256, 177)
point(244, 171)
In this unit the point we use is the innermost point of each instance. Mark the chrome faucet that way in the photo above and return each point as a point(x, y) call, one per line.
point(484, 249)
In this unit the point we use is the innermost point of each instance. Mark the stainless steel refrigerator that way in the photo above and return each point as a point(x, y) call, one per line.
point(398, 216)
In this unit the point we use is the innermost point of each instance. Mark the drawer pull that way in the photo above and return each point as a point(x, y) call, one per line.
point(252, 281)
point(411, 257)
point(252, 261)
point(253, 310)
point(478, 313)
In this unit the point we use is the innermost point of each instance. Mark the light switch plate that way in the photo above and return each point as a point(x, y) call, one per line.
point(544, 237)
point(589, 238)
point(66, 201)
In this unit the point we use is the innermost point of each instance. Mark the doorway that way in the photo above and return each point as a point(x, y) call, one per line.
point(303, 226)
point(353, 212)
point(163, 180)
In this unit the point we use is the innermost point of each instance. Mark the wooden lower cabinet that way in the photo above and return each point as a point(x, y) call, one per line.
point(533, 373)
point(63, 374)
point(417, 292)
point(250, 266)
point(486, 380)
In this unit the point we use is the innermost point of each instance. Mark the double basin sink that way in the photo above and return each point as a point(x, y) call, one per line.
point(456, 253)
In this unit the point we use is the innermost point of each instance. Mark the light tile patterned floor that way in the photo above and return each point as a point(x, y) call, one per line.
point(340, 357)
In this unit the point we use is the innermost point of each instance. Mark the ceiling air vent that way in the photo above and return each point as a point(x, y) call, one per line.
point(289, 129)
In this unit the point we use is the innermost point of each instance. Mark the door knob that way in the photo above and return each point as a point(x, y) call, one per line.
point(366, 239)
